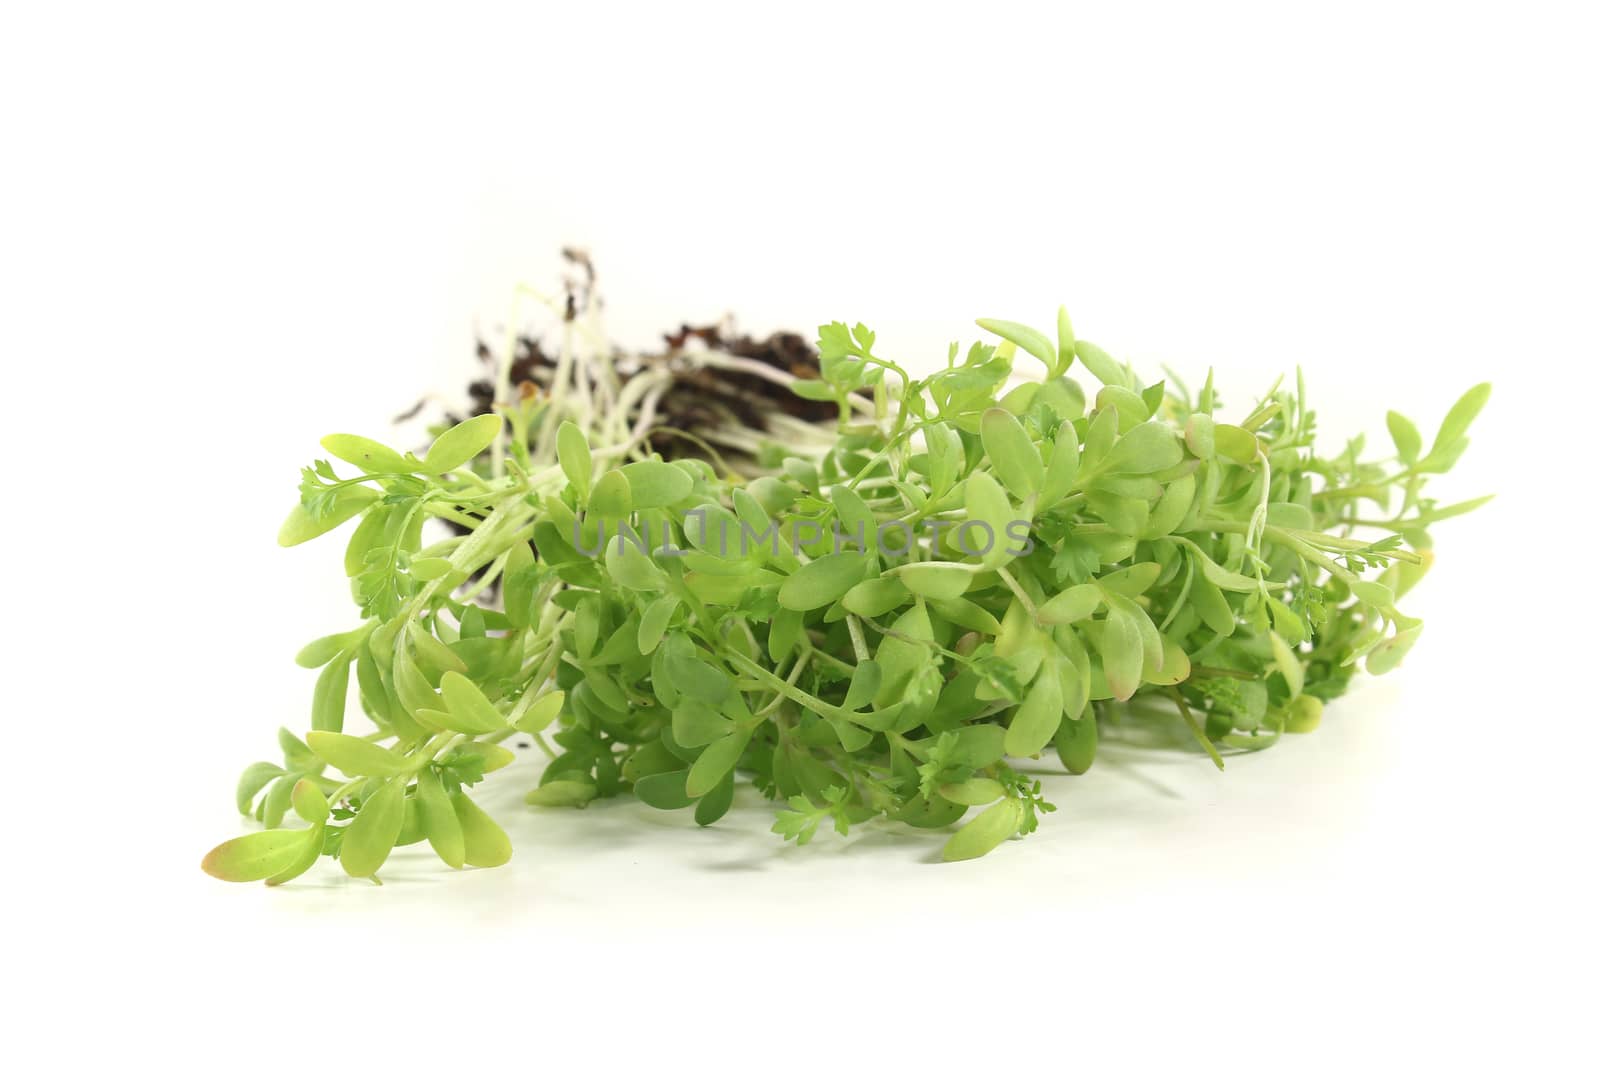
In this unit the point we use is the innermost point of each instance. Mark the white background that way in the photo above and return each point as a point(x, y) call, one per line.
point(228, 234)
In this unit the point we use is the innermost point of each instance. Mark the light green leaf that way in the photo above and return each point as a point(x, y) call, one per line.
point(1012, 453)
point(369, 455)
point(466, 702)
point(1145, 449)
point(1199, 433)
point(439, 820)
point(612, 496)
point(1102, 366)
point(1289, 665)
point(1407, 439)
point(1040, 714)
point(353, 756)
point(935, 579)
point(993, 826)
point(542, 712)
point(1062, 468)
point(572, 451)
point(715, 763)
point(653, 623)
point(458, 445)
point(309, 802)
point(1375, 594)
point(299, 526)
point(668, 791)
point(252, 781)
point(254, 856)
point(630, 567)
point(990, 510)
point(372, 833)
point(1026, 338)
point(1070, 605)
point(823, 581)
point(1066, 340)
point(1460, 416)
point(486, 844)
point(656, 485)
point(973, 793)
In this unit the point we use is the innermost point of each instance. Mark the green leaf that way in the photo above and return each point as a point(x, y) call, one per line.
point(252, 781)
point(715, 763)
point(1062, 468)
point(973, 793)
point(864, 684)
point(301, 526)
point(309, 802)
point(432, 651)
point(1407, 440)
point(485, 843)
point(461, 443)
point(715, 804)
point(254, 856)
point(1289, 664)
point(1200, 434)
point(1439, 514)
point(1236, 443)
point(439, 820)
point(572, 450)
point(1121, 652)
point(823, 581)
point(372, 833)
point(466, 702)
point(874, 596)
point(630, 567)
point(369, 455)
point(1012, 453)
point(305, 857)
point(612, 496)
point(1102, 366)
point(542, 712)
point(1459, 417)
point(353, 756)
point(988, 507)
point(1040, 714)
point(1070, 605)
point(1376, 594)
point(1026, 338)
point(1077, 741)
point(667, 791)
point(329, 697)
point(935, 579)
point(323, 649)
point(656, 485)
point(653, 623)
point(993, 826)
point(1066, 340)
point(563, 793)
point(1145, 449)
